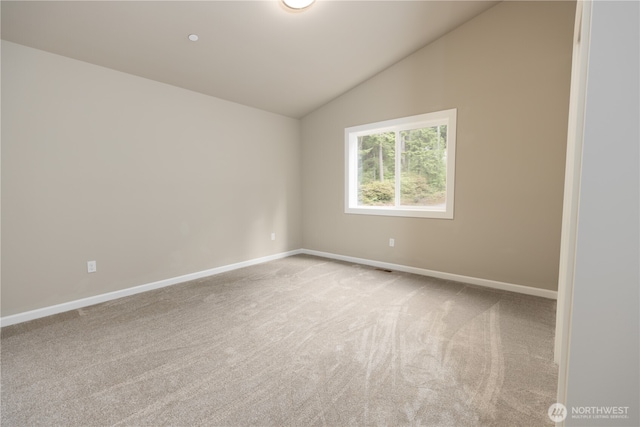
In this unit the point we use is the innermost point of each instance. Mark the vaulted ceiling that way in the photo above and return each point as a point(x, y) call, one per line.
point(252, 52)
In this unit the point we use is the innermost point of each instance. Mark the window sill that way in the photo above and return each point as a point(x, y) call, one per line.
point(402, 212)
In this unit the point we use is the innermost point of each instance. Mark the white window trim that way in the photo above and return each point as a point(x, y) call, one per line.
point(447, 117)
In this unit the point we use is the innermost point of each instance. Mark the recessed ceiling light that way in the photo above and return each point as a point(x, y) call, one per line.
point(297, 4)
point(193, 37)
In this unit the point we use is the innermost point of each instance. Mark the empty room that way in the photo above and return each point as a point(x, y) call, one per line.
point(230, 213)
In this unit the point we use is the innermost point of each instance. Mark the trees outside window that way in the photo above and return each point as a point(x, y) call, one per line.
point(402, 167)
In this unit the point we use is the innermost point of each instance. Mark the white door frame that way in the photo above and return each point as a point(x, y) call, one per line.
point(573, 169)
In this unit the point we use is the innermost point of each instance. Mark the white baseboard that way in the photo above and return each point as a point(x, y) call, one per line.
point(528, 290)
point(85, 302)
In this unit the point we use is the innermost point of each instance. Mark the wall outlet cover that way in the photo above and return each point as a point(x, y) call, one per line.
point(92, 267)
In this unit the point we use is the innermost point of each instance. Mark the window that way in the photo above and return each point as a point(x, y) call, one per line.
point(402, 167)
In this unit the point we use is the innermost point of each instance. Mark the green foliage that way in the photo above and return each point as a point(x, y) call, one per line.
point(377, 156)
point(377, 193)
point(424, 155)
point(422, 167)
point(416, 191)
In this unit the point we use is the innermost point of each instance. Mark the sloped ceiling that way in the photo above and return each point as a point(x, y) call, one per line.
point(252, 52)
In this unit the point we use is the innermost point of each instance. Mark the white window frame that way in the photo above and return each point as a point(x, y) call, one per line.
point(445, 117)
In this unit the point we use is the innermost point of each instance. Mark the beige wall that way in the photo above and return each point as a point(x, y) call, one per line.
point(154, 181)
point(508, 74)
point(149, 180)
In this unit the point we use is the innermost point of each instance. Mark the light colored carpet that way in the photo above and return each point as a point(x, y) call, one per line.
point(300, 341)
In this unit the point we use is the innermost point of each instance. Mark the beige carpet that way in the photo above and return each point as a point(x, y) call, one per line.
point(301, 341)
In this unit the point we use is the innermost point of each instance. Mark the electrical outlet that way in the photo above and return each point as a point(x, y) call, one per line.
point(273, 236)
point(92, 267)
point(392, 242)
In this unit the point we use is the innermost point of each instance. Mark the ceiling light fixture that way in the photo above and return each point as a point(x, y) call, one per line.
point(193, 37)
point(297, 4)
